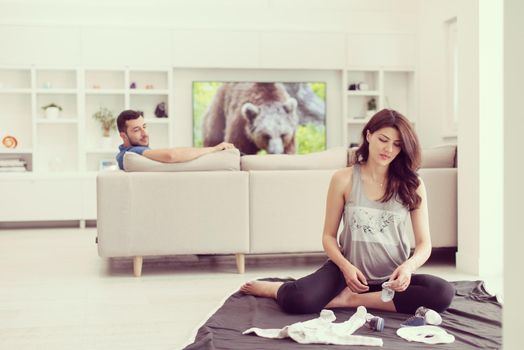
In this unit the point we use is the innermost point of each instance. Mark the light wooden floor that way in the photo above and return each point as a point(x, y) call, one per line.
point(56, 293)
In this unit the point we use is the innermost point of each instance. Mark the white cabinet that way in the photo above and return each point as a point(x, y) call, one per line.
point(366, 91)
point(40, 198)
point(70, 148)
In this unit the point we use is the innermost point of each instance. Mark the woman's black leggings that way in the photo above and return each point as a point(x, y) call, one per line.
point(312, 293)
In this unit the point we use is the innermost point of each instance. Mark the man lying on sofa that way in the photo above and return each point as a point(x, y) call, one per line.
point(133, 131)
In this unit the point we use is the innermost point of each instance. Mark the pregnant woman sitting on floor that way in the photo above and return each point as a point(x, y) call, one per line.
point(375, 197)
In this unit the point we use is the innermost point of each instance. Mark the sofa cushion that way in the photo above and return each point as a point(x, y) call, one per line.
point(436, 157)
point(352, 157)
point(334, 158)
point(223, 160)
point(442, 156)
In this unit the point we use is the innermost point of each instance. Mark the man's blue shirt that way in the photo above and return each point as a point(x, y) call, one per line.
point(122, 149)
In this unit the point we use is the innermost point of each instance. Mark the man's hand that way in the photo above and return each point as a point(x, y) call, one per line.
point(401, 278)
point(224, 145)
point(355, 279)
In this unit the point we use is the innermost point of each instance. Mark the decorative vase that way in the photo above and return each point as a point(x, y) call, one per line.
point(52, 112)
point(10, 141)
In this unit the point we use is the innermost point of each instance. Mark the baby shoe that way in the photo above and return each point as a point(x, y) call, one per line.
point(423, 316)
point(431, 316)
point(375, 323)
point(414, 321)
point(387, 293)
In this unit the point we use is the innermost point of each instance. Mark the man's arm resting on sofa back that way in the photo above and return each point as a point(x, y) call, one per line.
point(183, 154)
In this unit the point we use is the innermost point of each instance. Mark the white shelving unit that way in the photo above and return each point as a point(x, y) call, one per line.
point(391, 88)
point(65, 153)
point(72, 143)
point(111, 88)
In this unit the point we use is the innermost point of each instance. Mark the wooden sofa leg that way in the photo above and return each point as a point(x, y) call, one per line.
point(137, 266)
point(240, 263)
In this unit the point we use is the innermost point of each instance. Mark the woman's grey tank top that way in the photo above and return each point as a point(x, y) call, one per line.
point(374, 238)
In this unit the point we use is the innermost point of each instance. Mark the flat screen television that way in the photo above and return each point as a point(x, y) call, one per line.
point(260, 117)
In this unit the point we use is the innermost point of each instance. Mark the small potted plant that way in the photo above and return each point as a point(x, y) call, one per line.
point(51, 111)
point(107, 122)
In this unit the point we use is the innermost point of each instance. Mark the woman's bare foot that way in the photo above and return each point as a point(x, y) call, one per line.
point(264, 289)
point(344, 299)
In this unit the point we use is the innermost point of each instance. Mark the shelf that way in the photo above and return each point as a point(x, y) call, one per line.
point(56, 91)
point(148, 92)
point(57, 121)
point(105, 91)
point(156, 120)
point(362, 93)
point(15, 91)
point(390, 87)
point(72, 136)
point(16, 151)
point(14, 175)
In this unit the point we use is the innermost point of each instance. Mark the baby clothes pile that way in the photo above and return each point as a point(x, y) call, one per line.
point(422, 327)
point(322, 330)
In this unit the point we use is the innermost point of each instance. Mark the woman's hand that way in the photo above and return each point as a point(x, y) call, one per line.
point(355, 279)
point(401, 278)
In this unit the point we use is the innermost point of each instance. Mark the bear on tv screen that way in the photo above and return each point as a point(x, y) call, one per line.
point(260, 117)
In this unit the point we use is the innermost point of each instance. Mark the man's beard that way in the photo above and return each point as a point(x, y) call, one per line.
point(136, 144)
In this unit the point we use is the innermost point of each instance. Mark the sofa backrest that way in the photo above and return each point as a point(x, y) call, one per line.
point(333, 158)
point(226, 160)
point(442, 156)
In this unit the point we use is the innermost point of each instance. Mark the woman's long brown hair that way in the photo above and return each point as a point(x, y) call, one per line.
point(402, 173)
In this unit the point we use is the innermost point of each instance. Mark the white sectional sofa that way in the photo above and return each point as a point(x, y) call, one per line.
point(227, 204)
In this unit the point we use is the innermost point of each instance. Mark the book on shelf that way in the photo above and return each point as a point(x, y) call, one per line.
point(11, 165)
point(12, 162)
point(13, 169)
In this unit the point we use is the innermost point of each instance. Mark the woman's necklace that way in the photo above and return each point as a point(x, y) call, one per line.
point(381, 184)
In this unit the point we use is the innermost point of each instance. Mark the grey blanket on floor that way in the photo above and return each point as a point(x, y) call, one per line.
point(474, 318)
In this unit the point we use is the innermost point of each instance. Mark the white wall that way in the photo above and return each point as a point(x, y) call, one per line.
point(491, 141)
point(480, 149)
point(432, 69)
point(480, 177)
point(249, 39)
point(513, 189)
point(207, 33)
point(370, 16)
